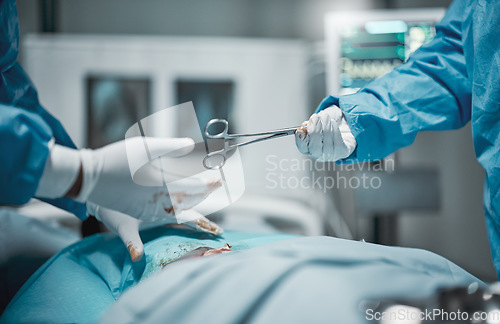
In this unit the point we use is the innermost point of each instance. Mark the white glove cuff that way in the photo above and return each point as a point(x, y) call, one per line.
point(60, 172)
point(90, 170)
point(347, 136)
point(93, 210)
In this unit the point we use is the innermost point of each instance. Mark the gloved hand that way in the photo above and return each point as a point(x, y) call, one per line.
point(107, 177)
point(326, 136)
point(127, 228)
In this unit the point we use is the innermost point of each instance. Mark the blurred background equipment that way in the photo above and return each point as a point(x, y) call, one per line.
point(113, 104)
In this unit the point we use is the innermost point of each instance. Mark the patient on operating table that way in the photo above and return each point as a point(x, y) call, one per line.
point(184, 254)
point(259, 278)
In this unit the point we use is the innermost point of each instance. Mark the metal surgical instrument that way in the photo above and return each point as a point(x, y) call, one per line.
point(217, 159)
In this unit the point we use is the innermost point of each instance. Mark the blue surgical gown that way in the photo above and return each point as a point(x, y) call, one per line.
point(25, 126)
point(448, 82)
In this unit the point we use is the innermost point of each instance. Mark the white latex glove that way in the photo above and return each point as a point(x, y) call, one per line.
point(326, 136)
point(127, 228)
point(107, 178)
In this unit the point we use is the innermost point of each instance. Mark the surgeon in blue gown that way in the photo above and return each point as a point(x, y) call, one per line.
point(40, 160)
point(445, 84)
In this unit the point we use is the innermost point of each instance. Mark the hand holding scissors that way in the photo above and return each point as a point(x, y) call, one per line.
point(217, 159)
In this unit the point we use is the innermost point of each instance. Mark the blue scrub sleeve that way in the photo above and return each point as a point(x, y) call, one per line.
point(24, 138)
point(431, 91)
point(18, 93)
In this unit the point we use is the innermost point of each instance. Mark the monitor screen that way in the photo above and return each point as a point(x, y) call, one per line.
point(375, 48)
point(364, 45)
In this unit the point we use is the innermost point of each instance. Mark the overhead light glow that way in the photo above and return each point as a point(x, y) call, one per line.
point(386, 27)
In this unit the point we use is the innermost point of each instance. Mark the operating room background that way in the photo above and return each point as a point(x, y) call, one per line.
point(457, 231)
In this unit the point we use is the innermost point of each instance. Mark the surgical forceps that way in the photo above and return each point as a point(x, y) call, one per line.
point(217, 159)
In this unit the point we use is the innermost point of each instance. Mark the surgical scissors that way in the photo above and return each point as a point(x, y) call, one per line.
point(217, 159)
